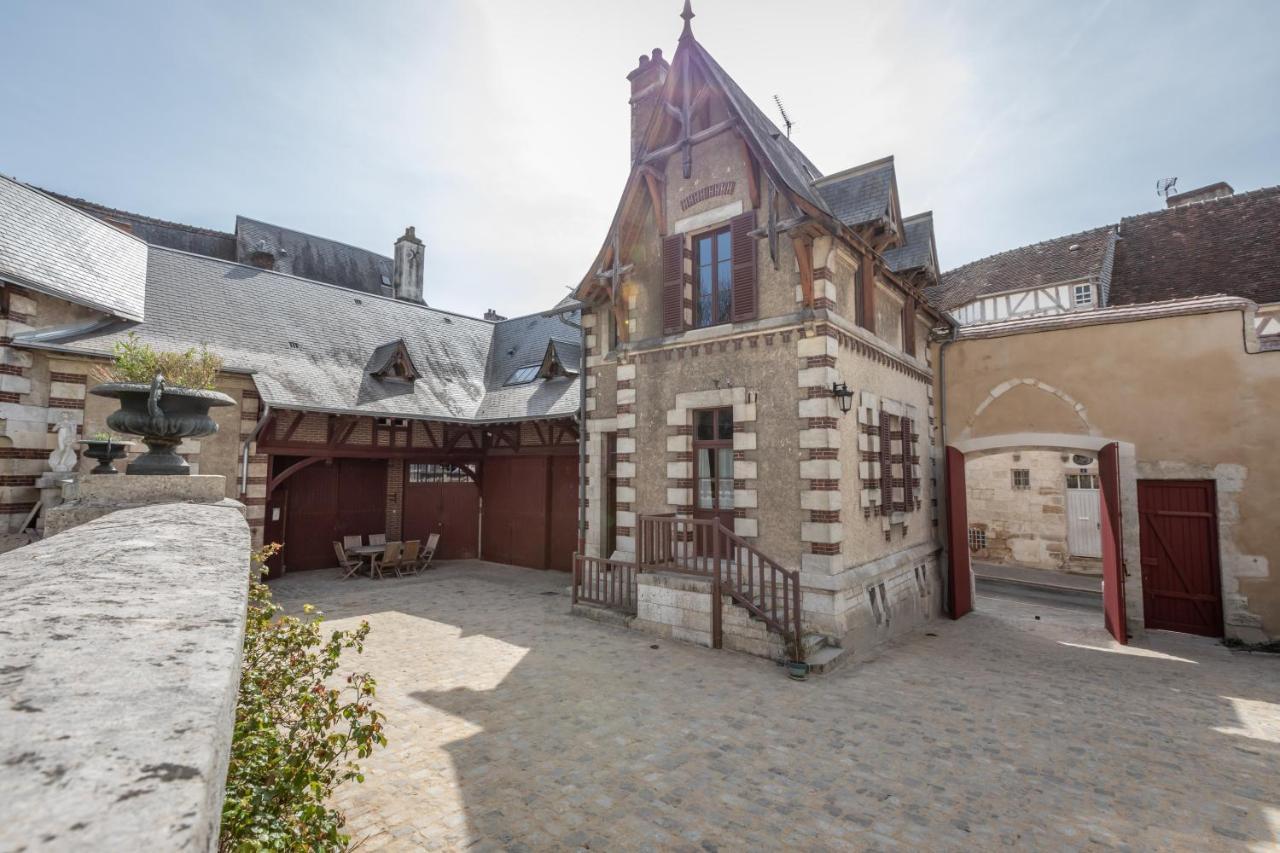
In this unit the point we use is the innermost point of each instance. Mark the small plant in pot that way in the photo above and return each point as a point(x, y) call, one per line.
point(102, 447)
point(164, 397)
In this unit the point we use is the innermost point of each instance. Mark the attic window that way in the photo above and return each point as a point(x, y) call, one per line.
point(524, 374)
point(391, 362)
point(1083, 295)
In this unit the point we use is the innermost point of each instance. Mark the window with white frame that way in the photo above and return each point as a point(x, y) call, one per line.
point(1022, 478)
point(977, 539)
point(1083, 295)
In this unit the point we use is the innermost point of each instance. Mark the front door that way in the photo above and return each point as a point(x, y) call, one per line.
point(1084, 524)
point(713, 468)
point(1178, 529)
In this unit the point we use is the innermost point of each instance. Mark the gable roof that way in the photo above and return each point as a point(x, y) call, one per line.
point(54, 248)
point(160, 232)
point(862, 194)
point(918, 249)
point(316, 258)
point(1070, 258)
point(309, 344)
point(386, 356)
point(1225, 245)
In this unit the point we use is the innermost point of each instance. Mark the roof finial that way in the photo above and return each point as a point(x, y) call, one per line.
point(687, 14)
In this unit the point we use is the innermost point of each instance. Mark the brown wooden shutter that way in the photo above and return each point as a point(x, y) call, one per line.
point(886, 465)
point(672, 284)
point(743, 246)
point(908, 494)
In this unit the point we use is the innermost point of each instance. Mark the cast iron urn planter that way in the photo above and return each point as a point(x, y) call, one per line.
point(106, 451)
point(163, 416)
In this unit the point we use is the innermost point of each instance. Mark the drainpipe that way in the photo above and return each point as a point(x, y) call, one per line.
point(582, 438)
point(244, 460)
point(944, 574)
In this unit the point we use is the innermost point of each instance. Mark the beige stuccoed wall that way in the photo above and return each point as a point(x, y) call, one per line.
point(1186, 394)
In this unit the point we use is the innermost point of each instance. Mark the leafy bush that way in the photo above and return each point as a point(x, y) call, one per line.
point(296, 733)
point(136, 361)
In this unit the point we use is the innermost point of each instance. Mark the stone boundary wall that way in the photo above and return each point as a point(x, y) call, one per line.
point(118, 678)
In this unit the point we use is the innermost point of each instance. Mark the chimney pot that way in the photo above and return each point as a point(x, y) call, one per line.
point(407, 268)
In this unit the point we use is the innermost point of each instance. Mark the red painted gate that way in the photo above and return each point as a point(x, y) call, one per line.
point(531, 511)
point(442, 505)
point(960, 588)
point(1113, 571)
point(326, 501)
point(1181, 583)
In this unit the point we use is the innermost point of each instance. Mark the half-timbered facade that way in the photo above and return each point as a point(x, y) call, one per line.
point(758, 389)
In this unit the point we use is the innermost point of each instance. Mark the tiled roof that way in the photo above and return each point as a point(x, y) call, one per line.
point(161, 232)
point(316, 258)
point(1075, 256)
point(1225, 245)
point(54, 248)
point(1105, 316)
point(918, 250)
point(309, 344)
point(861, 194)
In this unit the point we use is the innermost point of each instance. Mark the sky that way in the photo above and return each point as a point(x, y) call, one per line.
point(500, 128)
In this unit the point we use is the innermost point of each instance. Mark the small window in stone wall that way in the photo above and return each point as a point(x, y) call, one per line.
point(426, 472)
point(977, 539)
point(1022, 478)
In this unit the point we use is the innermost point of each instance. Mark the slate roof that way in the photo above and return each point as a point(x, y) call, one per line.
point(54, 248)
point(1038, 265)
point(1225, 245)
point(861, 194)
point(918, 250)
point(161, 232)
point(316, 258)
point(309, 344)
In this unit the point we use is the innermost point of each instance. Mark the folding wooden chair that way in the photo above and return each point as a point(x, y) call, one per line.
point(428, 551)
point(347, 566)
point(352, 541)
point(388, 559)
point(377, 539)
point(409, 558)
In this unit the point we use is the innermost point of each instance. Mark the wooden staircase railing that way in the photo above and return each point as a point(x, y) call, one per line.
point(705, 547)
point(607, 583)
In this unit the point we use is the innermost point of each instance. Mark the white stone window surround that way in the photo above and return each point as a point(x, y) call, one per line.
point(743, 403)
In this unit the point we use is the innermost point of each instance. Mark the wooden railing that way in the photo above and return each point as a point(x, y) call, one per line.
point(608, 583)
point(703, 546)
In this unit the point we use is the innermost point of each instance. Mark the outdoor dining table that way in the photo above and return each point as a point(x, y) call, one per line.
point(366, 553)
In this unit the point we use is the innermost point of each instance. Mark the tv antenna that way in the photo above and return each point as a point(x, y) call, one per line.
point(786, 119)
point(1165, 186)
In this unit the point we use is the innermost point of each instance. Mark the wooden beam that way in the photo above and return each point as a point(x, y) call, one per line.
point(293, 427)
point(658, 201)
point(804, 259)
point(293, 469)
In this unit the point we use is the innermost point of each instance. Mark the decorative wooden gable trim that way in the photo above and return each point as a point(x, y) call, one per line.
point(555, 363)
point(391, 361)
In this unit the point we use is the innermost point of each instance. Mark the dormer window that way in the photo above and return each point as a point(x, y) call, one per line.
point(524, 375)
point(1083, 295)
point(391, 363)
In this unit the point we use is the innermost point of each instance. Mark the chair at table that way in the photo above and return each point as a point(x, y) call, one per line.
point(377, 539)
point(428, 551)
point(347, 566)
point(409, 557)
point(388, 559)
point(350, 542)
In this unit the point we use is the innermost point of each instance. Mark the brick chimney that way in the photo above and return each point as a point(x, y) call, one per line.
point(1221, 189)
point(493, 316)
point(646, 86)
point(406, 281)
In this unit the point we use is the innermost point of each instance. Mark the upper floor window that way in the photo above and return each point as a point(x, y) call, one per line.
point(888, 316)
point(713, 265)
point(1083, 295)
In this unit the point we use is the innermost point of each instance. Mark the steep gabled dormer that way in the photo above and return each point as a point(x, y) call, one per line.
point(391, 363)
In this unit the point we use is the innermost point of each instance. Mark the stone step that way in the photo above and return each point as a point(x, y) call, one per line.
point(827, 659)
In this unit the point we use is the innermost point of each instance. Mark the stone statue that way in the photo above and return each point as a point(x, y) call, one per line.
point(63, 459)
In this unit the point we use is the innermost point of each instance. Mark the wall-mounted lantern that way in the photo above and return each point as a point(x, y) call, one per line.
point(840, 390)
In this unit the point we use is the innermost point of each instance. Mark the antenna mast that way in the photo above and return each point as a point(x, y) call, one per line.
point(1165, 186)
point(786, 119)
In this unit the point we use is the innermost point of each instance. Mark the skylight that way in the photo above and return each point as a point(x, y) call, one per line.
point(524, 374)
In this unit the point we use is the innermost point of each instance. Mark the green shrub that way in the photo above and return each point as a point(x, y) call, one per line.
point(296, 732)
point(136, 361)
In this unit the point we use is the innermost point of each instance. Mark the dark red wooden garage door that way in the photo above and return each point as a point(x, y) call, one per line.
point(564, 512)
point(531, 511)
point(1181, 585)
point(451, 509)
point(327, 501)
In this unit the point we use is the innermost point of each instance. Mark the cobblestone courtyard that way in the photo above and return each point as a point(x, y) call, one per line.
point(513, 725)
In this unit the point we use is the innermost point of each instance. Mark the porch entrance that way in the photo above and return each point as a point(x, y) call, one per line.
point(1181, 584)
point(713, 469)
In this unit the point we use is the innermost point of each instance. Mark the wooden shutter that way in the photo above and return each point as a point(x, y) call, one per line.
point(908, 495)
point(672, 284)
point(866, 310)
point(886, 465)
point(743, 246)
point(909, 325)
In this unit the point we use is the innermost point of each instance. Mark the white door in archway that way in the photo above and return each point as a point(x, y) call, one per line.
point(1084, 519)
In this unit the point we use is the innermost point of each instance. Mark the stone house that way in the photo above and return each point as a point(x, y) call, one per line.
point(758, 382)
point(1156, 337)
point(359, 409)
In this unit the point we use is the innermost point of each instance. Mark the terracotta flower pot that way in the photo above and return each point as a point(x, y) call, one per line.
point(163, 416)
point(105, 451)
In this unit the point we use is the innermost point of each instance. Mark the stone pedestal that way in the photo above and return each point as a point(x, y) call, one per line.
point(52, 486)
point(90, 497)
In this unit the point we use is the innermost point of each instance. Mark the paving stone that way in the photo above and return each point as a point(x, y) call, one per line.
point(515, 725)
